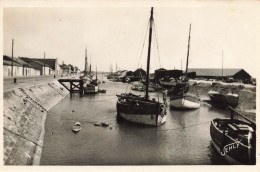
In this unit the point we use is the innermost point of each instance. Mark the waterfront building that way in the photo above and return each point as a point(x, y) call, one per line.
point(20, 67)
point(211, 73)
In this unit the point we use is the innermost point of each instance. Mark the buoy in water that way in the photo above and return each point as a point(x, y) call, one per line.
point(104, 124)
point(97, 124)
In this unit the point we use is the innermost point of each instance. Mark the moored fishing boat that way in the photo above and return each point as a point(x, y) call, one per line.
point(138, 109)
point(168, 82)
point(90, 88)
point(180, 99)
point(229, 99)
point(232, 99)
point(234, 139)
point(216, 97)
point(90, 85)
point(184, 102)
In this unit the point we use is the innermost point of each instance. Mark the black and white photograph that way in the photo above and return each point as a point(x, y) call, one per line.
point(130, 84)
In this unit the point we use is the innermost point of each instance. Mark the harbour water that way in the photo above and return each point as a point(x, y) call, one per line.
point(183, 140)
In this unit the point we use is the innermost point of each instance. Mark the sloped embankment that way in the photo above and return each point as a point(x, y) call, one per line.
point(24, 115)
point(246, 101)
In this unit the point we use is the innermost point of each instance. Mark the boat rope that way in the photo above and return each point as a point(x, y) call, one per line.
point(155, 54)
point(23, 137)
point(175, 117)
point(156, 39)
point(190, 126)
point(143, 45)
point(127, 88)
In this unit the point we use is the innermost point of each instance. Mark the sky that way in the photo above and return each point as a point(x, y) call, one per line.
point(116, 35)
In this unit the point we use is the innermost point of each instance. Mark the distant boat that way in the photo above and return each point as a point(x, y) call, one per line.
point(235, 139)
point(168, 82)
point(102, 79)
point(229, 99)
point(102, 90)
point(89, 84)
point(91, 87)
point(139, 109)
point(217, 98)
point(182, 100)
point(232, 99)
point(138, 86)
point(76, 127)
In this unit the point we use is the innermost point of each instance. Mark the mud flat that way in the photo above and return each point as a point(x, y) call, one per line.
point(246, 93)
point(24, 115)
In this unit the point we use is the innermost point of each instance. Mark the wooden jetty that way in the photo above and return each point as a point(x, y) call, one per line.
point(75, 85)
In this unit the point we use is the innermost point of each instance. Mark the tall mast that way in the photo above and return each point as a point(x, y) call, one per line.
point(187, 62)
point(44, 64)
point(90, 66)
point(181, 64)
point(149, 52)
point(222, 65)
point(12, 74)
point(96, 72)
point(86, 60)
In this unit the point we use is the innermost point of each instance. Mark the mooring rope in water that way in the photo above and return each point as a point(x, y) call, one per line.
point(174, 116)
point(182, 128)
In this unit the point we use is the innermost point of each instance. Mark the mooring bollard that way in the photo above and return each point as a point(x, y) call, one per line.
point(14, 80)
point(54, 76)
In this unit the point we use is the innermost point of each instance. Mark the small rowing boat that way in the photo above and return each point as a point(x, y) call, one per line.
point(76, 127)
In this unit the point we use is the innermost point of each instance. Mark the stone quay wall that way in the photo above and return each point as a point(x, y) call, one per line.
point(24, 114)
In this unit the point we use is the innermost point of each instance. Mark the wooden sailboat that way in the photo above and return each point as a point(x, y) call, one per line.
point(182, 100)
point(138, 109)
point(89, 85)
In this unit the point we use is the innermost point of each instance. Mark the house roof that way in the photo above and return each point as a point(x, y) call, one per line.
point(63, 66)
point(31, 61)
point(50, 62)
point(9, 63)
point(214, 72)
point(16, 60)
point(40, 63)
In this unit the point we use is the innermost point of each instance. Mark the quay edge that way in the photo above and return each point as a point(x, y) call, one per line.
point(24, 114)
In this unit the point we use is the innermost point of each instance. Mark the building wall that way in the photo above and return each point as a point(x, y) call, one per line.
point(242, 75)
point(19, 71)
point(7, 70)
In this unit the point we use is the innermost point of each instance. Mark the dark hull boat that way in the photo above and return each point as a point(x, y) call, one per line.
point(217, 98)
point(235, 140)
point(142, 110)
point(223, 100)
point(139, 110)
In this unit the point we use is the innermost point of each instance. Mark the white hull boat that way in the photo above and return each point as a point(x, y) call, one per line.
point(184, 102)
